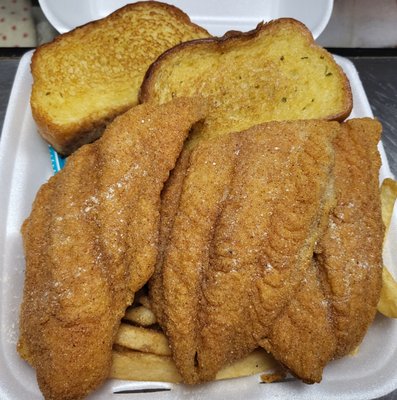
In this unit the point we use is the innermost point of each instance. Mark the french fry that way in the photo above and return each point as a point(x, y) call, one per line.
point(142, 339)
point(257, 361)
point(355, 351)
point(388, 198)
point(388, 296)
point(140, 315)
point(144, 301)
point(137, 366)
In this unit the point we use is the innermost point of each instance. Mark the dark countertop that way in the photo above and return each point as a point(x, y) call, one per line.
point(379, 77)
point(377, 70)
point(8, 68)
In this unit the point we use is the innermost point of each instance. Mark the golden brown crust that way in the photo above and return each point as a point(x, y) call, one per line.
point(91, 243)
point(331, 314)
point(170, 197)
point(270, 225)
point(68, 136)
point(64, 139)
point(176, 12)
point(207, 179)
point(220, 44)
point(353, 268)
point(251, 225)
point(302, 338)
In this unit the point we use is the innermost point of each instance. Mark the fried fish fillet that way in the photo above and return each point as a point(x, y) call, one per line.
point(354, 267)
point(204, 190)
point(337, 302)
point(91, 243)
point(251, 208)
point(170, 198)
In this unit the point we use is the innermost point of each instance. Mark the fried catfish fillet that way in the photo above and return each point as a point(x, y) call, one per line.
point(353, 267)
point(251, 208)
point(170, 198)
point(91, 242)
point(337, 302)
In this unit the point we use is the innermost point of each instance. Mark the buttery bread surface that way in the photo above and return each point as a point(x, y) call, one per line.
point(275, 72)
point(86, 77)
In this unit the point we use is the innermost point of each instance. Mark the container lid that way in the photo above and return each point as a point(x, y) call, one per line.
point(217, 17)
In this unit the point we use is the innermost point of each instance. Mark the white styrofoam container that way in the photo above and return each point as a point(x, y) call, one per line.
point(216, 16)
point(25, 165)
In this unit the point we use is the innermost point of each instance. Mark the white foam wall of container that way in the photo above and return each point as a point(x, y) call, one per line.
point(217, 16)
point(25, 165)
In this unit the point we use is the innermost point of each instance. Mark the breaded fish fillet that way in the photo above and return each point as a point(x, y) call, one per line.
point(353, 267)
point(204, 190)
point(91, 243)
point(252, 207)
point(170, 198)
point(331, 314)
point(302, 338)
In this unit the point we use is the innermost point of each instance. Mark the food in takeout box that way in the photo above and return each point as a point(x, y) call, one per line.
point(256, 239)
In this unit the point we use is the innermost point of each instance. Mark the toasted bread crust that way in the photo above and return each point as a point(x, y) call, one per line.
point(67, 134)
point(235, 38)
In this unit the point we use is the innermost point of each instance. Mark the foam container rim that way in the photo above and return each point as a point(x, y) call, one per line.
point(25, 165)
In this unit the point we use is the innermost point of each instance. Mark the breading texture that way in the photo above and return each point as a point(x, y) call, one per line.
point(275, 241)
point(350, 254)
point(337, 302)
point(170, 198)
point(204, 189)
point(302, 338)
point(91, 243)
point(251, 209)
